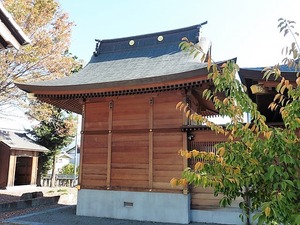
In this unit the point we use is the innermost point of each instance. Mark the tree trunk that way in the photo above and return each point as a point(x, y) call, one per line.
point(247, 203)
point(53, 180)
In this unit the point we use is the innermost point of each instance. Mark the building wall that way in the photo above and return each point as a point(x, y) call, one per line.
point(132, 142)
point(203, 198)
point(4, 159)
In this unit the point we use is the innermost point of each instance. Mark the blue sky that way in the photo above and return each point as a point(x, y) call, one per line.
point(246, 29)
point(243, 29)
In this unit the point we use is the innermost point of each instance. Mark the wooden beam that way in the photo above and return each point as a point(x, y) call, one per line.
point(109, 144)
point(34, 168)
point(81, 143)
point(12, 169)
point(151, 143)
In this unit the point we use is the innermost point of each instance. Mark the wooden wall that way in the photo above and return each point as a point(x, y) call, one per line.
point(132, 142)
point(4, 159)
point(203, 198)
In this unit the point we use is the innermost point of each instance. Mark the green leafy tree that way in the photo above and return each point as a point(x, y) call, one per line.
point(54, 133)
point(258, 162)
point(69, 169)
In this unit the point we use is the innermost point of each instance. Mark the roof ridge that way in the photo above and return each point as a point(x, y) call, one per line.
point(177, 30)
point(141, 41)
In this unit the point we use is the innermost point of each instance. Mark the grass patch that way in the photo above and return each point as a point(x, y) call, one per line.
point(62, 190)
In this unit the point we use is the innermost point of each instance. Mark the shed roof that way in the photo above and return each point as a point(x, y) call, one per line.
point(256, 73)
point(11, 35)
point(20, 141)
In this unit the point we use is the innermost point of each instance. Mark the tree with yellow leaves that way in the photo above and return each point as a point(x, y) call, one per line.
point(259, 163)
point(46, 57)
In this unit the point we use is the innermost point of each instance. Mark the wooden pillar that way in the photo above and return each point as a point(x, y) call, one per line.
point(184, 142)
point(151, 143)
point(34, 168)
point(11, 169)
point(109, 144)
point(81, 143)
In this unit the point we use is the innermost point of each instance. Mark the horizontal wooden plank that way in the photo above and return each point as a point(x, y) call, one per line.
point(205, 136)
point(168, 174)
point(130, 126)
point(162, 137)
point(130, 137)
point(167, 167)
point(164, 179)
point(95, 140)
point(94, 169)
point(173, 156)
point(167, 161)
point(94, 158)
point(172, 123)
point(166, 149)
point(92, 126)
point(129, 183)
point(129, 112)
point(102, 150)
point(165, 185)
point(93, 183)
point(135, 165)
point(129, 171)
point(202, 190)
point(130, 158)
point(94, 177)
point(119, 148)
point(128, 177)
point(129, 144)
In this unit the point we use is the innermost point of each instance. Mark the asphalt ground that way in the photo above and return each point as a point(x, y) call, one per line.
point(66, 215)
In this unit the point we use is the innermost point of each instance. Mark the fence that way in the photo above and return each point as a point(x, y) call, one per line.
point(61, 180)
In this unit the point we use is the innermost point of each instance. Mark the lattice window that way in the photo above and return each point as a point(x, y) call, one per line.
point(201, 146)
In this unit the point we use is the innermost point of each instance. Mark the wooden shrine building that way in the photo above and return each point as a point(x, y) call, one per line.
point(18, 159)
point(131, 131)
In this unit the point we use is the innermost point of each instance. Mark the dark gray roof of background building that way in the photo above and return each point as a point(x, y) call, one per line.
point(20, 141)
point(256, 73)
point(117, 63)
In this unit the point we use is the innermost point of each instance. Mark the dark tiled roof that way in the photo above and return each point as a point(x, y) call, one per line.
point(256, 73)
point(20, 141)
point(117, 63)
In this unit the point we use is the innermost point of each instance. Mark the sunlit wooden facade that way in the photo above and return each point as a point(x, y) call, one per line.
point(131, 131)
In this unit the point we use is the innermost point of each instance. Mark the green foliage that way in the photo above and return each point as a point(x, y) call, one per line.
point(258, 162)
point(54, 133)
point(69, 169)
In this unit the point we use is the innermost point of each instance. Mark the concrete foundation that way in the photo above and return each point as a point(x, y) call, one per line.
point(143, 206)
point(219, 216)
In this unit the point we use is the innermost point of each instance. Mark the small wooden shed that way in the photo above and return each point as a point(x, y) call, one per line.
point(131, 131)
point(19, 159)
